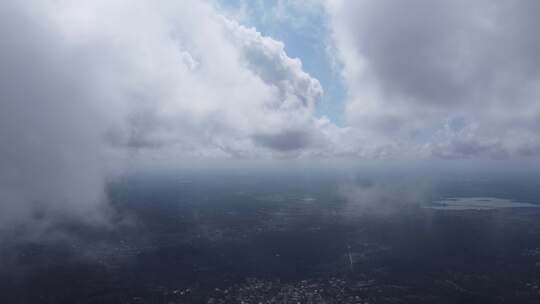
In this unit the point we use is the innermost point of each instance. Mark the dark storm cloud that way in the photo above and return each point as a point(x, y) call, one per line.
point(468, 148)
point(424, 62)
point(409, 48)
point(444, 52)
point(285, 141)
point(49, 133)
point(530, 151)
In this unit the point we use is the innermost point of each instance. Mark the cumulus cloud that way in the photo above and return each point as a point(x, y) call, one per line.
point(83, 84)
point(411, 67)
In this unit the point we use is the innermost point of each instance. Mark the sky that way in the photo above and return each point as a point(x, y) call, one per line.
point(90, 88)
point(302, 27)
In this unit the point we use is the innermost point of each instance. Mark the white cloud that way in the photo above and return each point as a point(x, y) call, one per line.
point(84, 82)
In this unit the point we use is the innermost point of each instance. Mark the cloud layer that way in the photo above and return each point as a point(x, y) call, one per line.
point(83, 85)
point(441, 78)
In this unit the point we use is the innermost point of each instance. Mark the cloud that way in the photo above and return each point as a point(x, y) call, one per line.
point(411, 67)
point(85, 85)
point(285, 141)
point(383, 198)
point(50, 130)
point(267, 58)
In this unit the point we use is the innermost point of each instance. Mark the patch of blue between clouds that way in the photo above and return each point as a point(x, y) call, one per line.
point(305, 37)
